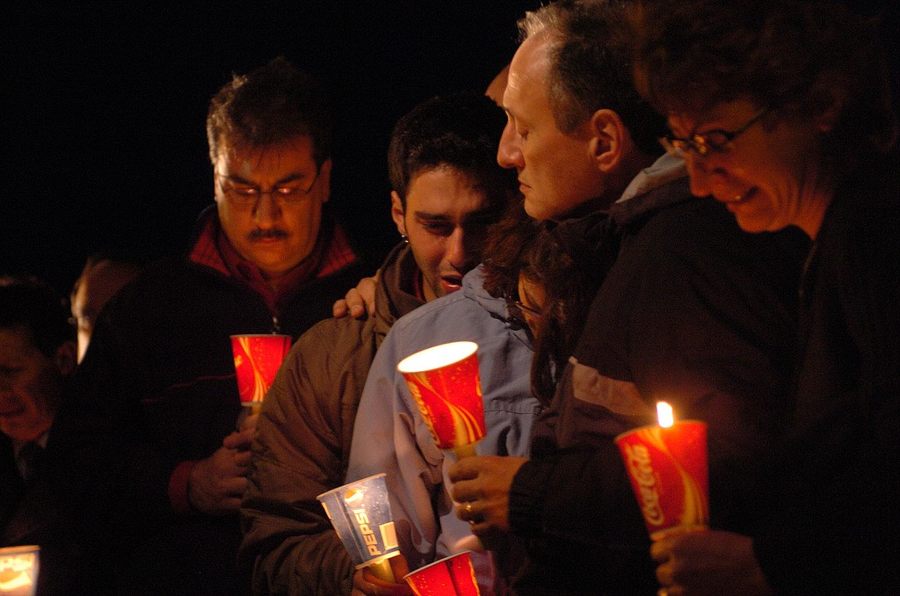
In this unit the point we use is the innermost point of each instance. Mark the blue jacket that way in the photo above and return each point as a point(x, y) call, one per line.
point(390, 435)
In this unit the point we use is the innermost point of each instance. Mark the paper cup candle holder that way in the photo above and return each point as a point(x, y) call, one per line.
point(667, 466)
point(444, 382)
point(19, 566)
point(361, 515)
point(451, 576)
point(257, 359)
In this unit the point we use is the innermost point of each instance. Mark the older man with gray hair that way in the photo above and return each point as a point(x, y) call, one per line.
point(693, 311)
point(574, 148)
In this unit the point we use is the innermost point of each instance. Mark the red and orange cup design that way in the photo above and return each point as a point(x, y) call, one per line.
point(257, 359)
point(668, 471)
point(19, 566)
point(451, 576)
point(444, 382)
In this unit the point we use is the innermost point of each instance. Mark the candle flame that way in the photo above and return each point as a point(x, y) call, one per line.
point(665, 414)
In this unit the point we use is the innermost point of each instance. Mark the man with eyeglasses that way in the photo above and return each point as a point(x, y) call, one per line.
point(693, 311)
point(157, 383)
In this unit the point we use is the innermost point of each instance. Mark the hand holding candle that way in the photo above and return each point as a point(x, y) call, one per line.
point(445, 384)
point(666, 464)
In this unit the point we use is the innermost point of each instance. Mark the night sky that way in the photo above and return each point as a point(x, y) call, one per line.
point(103, 131)
point(105, 143)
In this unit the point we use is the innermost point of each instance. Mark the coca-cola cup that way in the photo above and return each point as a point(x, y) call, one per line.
point(361, 515)
point(19, 567)
point(668, 471)
point(257, 358)
point(451, 576)
point(444, 382)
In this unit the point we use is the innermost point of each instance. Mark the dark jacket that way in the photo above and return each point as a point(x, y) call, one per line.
point(157, 388)
point(304, 444)
point(33, 512)
point(835, 525)
point(30, 515)
point(695, 312)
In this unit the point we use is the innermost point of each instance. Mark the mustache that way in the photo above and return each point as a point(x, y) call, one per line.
point(274, 233)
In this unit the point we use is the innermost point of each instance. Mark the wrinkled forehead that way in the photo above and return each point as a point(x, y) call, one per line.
point(243, 159)
point(724, 115)
point(529, 70)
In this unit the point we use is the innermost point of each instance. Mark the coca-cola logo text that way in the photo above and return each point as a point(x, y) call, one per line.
point(641, 469)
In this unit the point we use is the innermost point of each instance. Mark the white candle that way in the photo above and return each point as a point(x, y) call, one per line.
point(664, 414)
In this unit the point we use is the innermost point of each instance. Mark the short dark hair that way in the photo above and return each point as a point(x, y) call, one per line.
point(797, 56)
point(270, 105)
point(30, 303)
point(591, 66)
point(460, 131)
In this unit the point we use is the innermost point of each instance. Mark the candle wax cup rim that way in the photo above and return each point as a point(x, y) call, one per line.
point(426, 360)
point(22, 549)
point(344, 486)
point(250, 335)
point(440, 562)
point(651, 426)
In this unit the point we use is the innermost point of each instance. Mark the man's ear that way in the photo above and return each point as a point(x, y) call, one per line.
point(65, 358)
point(609, 138)
point(397, 213)
point(325, 178)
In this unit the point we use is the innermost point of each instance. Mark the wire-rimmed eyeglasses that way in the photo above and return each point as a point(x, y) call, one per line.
point(710, 141)
point(246, 195)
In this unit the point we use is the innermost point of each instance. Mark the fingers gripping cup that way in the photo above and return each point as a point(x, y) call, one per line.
point(361, 515)
point(257, 359)
point(445, 384)
point(667, 467)
point(451, 576)
point(19, 566)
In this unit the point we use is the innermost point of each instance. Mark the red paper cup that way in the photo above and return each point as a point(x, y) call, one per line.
point(444, 382)
point(668, 472)
point(256, 362)
point(19, 566)
point(451, 576)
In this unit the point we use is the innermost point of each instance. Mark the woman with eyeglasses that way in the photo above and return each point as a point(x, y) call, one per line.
point(781, 110)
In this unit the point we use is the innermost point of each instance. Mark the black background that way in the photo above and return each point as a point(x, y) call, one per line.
point(105, 146)
point(105, 104)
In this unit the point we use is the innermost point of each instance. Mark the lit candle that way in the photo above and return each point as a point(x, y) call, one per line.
point(19, 566)
point(445, 384)
point(665, 414)
point(667, 466)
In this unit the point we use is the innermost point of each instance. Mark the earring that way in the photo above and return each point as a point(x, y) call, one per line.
point(404, 238)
